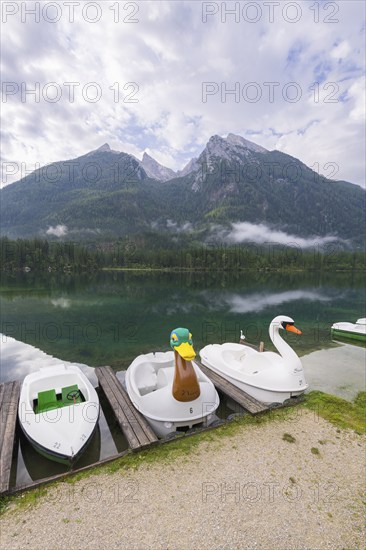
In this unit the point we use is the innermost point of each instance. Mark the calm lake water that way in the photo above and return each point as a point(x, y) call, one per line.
point(111, 317)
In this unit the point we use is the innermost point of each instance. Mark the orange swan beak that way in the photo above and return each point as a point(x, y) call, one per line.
point(292, 328)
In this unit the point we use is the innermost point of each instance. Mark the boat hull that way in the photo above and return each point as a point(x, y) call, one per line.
point(350, 331)
point(60, 431)
point(265, 376)
point(54, 456)
point(261, 394)
point(350, 335)
point(162, 429)
point(149, 381)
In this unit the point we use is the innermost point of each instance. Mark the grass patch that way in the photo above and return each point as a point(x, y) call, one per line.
point(341, 413)
point(315, 451)
point(179, 448)
point(4, 501)
point(289, 438)
point(23, 500)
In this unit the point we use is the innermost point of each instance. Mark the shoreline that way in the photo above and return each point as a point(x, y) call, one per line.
point(277, 482)
point(181, 269)
point(236, 270)
point(340, 412)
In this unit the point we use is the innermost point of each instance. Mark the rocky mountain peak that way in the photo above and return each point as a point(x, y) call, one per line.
point(233, 148)
point(103, 149)
point(239, 141)
point(224, 147)
point(191, 166)
point(156, 170)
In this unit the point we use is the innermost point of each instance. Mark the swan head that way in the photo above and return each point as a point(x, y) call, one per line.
point(284, 322)
point(181, 341)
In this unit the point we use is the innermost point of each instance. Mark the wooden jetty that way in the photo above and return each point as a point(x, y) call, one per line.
point(245, 400)
point(134, 426)
point(9, 398)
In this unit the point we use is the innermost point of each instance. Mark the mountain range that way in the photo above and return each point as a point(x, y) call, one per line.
point(109, 194)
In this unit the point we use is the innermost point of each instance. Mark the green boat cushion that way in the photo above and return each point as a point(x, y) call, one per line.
point(47, 401)
point(67, 390)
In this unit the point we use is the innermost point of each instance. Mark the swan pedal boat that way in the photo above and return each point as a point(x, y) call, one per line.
point(58, 412)
point(355, 331)
point(170, 390)
point(269, 377)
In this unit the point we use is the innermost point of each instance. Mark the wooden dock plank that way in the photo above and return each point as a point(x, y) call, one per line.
point(2, 389)
point(5, 404)
point(132, 423)
point(137, 416)
point(241, 397)
point(115, 386)
point(131, 414)
point(9, 412)
point(120, 414)
point(139, 423)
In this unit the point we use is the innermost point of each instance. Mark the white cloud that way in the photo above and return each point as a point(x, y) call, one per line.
point(169, 53)
point(63, 303)
point(260, 233)
point(57, 230)
point(357, 93)
point(341, 50)
point(179, 228)
point(19, 359)
point(259, 302)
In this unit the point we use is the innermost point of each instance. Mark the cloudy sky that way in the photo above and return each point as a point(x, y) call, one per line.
point(156, 76)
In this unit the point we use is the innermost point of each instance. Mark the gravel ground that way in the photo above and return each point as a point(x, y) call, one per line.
point(252, 490)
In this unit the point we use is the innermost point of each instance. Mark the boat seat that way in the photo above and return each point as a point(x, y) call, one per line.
point(47, 401)
point(165, 376)
point(234, 358)
point(146, 379)
point(65, 391)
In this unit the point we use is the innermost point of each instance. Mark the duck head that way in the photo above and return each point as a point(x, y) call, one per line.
point(185, 384)
point(181, 341)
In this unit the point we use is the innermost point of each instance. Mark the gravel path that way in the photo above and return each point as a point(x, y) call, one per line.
point(252, 490)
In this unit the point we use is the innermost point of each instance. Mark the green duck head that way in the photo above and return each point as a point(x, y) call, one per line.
point(181, 341)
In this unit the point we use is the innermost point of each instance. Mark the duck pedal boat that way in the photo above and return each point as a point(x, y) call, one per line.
point(170, 390)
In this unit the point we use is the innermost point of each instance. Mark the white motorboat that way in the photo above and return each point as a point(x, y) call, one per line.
point(269, 377)
point(58, 412)
point(169, 390)
point(354, 331)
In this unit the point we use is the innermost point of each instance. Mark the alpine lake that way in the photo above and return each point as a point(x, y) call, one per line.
point(110, 317)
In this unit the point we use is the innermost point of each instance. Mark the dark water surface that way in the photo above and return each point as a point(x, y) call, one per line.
point(109, 318)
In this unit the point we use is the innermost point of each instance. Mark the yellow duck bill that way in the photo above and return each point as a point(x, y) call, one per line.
point(186, 351)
